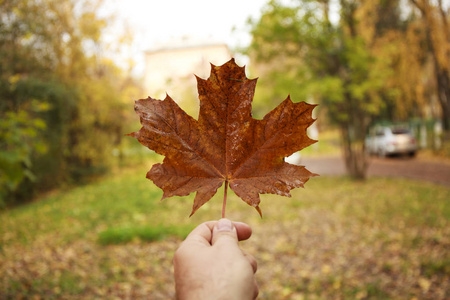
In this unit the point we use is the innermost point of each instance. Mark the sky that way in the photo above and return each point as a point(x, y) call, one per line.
point(156, 21)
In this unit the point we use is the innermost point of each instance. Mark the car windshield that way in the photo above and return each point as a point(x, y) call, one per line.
point(400, 131)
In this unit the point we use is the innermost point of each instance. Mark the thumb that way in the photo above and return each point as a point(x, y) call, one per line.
point(224, 232)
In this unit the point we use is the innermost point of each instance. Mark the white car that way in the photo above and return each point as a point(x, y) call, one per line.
point(384, 141)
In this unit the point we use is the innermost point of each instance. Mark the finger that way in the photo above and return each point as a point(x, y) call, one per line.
point(255, 290)
point(244, 231)
point(201, 234)
point(224, 232)
point(252, 261)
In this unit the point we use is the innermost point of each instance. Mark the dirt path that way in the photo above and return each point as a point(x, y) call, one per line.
point(413, 168)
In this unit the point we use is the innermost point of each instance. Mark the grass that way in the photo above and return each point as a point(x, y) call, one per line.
point(431, 268)
point(380, 239)
point(127, 200)
point(329, 144)
point(121, 235)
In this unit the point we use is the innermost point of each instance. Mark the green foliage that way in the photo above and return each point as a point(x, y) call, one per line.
point(19, 140)
point(51, 52)
point(317, 59)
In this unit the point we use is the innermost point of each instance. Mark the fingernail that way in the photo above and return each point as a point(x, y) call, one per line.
point(224, 225)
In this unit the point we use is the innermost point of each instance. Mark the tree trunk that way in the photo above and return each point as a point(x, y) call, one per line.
point(443, 87)
point(355, 156)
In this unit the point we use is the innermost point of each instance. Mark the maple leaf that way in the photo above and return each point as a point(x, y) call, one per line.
point(225, 145)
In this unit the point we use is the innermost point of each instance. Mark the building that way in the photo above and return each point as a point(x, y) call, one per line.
point(170, 67)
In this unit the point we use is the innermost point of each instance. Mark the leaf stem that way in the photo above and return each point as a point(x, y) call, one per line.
point(224, 199)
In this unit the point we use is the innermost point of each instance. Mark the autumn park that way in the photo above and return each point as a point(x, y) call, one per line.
point(322, 124)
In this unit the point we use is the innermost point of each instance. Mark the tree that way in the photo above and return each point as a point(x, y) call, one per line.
point(437, 28)
point(333, 63)
point(53, 52)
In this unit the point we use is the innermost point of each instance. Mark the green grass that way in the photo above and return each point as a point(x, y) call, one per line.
point(121, 235)
point(329, 144)
point(127, 206)
point(378, 200)
point(97, 240)
point(126, 200)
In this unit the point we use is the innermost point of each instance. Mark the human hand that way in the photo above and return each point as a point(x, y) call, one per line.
point(210, 265)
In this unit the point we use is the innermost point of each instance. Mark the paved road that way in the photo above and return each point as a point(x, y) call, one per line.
point(413, 168)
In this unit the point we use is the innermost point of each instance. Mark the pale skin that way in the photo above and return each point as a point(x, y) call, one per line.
point(209, 264)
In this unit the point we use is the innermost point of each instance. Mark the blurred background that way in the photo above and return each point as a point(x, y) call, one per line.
point(78, 218)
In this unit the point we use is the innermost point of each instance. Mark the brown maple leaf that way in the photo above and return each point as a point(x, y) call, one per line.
point(225, 144)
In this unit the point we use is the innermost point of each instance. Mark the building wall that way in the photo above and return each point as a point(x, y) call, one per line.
point(172, 70)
